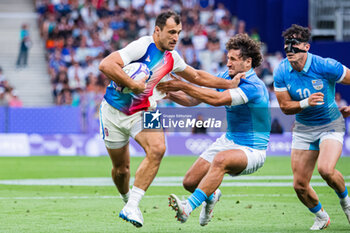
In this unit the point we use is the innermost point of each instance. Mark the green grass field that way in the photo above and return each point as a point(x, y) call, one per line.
point(262, 202)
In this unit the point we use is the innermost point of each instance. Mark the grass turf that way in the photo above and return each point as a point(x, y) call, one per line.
point(95, 208)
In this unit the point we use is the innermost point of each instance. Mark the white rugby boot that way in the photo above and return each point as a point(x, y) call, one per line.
point(207, 209)
point(321, 223)
point(132, 215)
point(346, 209)
point(179, 207)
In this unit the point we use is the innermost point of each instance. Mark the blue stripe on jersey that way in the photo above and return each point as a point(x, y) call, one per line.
point(318, 75)
point(152, 56)
point(249, 124)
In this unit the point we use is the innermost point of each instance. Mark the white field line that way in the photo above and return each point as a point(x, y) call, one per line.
point(147, 197)
point(164, 181)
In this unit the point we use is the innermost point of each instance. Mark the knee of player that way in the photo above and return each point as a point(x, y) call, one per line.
point(189, 184)
point(120, 170)
point(219, 161)
point(156, 151)
point(300, 185)
point(325, 171)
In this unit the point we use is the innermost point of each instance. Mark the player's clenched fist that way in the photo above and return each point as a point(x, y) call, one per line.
point(316, 99)
point(139, 85)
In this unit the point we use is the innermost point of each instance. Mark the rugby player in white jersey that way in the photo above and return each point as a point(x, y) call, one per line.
point(121, 114)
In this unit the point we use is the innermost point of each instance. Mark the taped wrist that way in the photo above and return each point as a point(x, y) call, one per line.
point(304, 103)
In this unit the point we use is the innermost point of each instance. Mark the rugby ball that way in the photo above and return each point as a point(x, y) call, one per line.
point(136, 71)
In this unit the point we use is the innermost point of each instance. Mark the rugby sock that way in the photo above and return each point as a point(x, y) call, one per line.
point(135, 196)
point(196, 199)
point(344, 197)
point(343, 194)
point(125, 197)
point(319, 211)
point(210, 198)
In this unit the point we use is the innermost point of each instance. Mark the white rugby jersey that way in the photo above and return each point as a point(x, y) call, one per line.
point(159, 63)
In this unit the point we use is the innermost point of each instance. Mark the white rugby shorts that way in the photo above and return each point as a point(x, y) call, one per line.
point(116, 127)
point(310, 137)
point(256, 158)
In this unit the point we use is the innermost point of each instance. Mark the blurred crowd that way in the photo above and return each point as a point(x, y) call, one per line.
point(78, 34)
point(8, 95)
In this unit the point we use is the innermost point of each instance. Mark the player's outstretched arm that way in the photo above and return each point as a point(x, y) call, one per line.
point(182, 98)
point(290, 107)
point(112, 65)
point(205, 95)
point(203, 78)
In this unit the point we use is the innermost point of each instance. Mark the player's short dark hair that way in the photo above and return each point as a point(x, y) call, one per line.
point(298, 32)
point(164, 16)
point(247, 46)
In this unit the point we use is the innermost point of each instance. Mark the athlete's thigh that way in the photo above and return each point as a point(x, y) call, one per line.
point(197, 171)
point(120, 157)
point(330, 151)
point(234, 161)
point(303, 163)
point(112, 129)
point(151, 140)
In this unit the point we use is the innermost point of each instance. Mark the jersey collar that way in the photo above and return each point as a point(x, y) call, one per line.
point(249, 73)
point(306, 66)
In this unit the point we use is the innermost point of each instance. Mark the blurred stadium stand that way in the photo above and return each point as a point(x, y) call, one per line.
point(32, 83)
point(330, 19)
point(70, 38)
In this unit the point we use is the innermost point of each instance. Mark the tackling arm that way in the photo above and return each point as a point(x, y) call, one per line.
point(203, 78)
point(182, 98)
point(205, 95)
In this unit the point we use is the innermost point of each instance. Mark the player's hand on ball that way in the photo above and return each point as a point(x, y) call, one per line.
point(139, 85)
point(237, 79)
point(316, 99)
point(345, 111)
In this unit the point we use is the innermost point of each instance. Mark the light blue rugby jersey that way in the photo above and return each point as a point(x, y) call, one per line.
point(318, 75)
point(249, 124)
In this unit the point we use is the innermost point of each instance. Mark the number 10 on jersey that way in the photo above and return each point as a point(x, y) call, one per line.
point(303, 93)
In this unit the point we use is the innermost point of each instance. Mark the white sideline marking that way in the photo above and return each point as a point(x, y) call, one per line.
point(163, 181)
point(150, 197)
